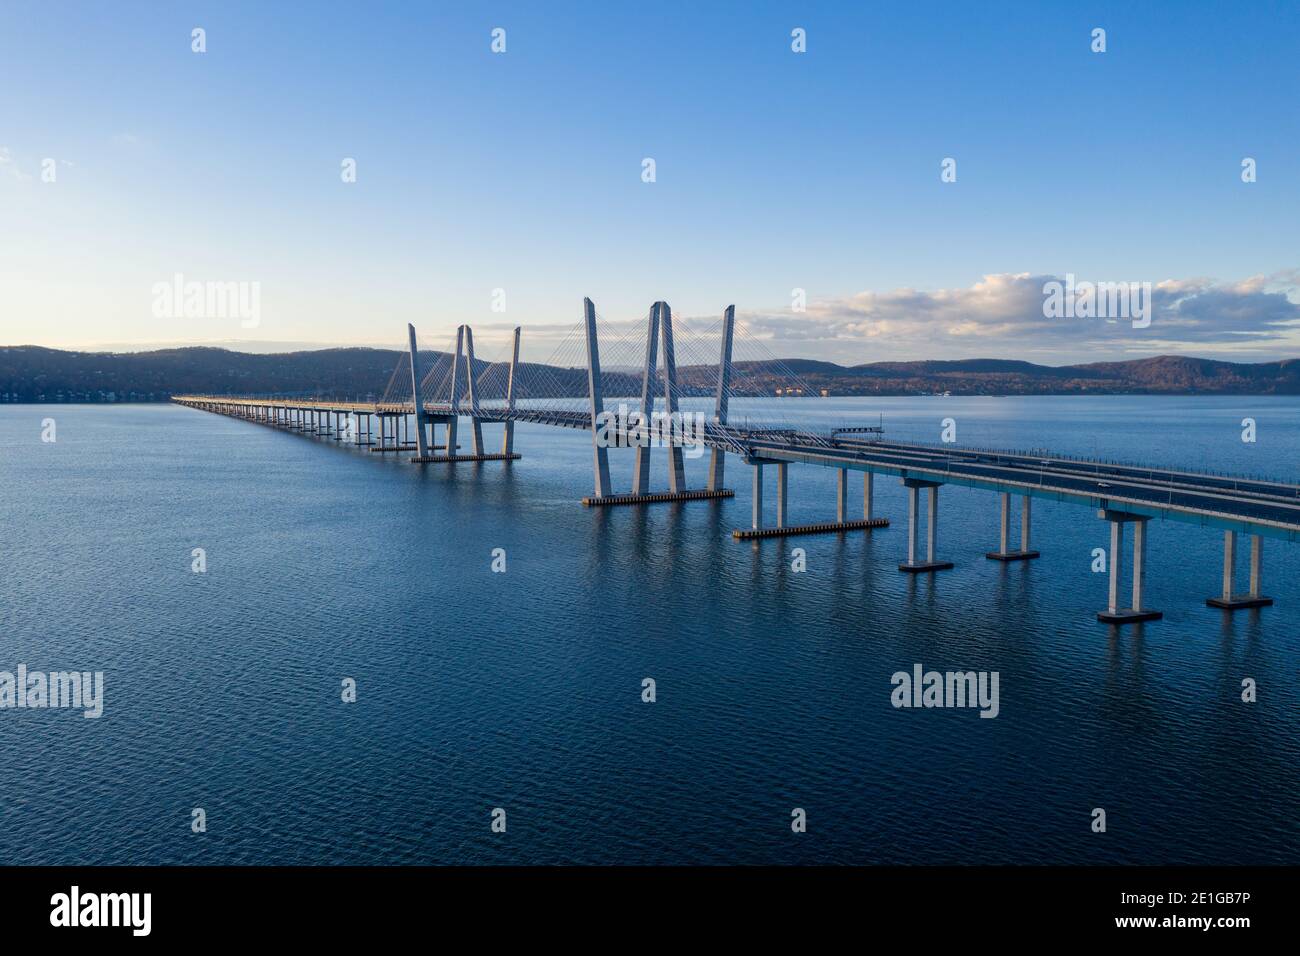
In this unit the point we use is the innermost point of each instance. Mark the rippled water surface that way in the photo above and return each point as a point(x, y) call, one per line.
point(522, 690)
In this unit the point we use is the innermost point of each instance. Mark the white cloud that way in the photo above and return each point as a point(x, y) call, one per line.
point(1002, 315)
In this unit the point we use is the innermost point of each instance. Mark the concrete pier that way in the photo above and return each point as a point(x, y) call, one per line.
point(783, 527)
point(782, 488)
point(1230, 600)
point(1115, 612)
point(825, 527)
point(1004, 553)
point(657, 497)
point(931, 563)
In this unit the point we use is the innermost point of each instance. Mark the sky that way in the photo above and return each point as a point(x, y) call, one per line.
point(501, 188)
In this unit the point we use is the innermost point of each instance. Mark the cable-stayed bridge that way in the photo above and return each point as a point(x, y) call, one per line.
point(657, 383)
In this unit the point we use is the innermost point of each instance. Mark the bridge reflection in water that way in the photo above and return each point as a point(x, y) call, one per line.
point(457, 386)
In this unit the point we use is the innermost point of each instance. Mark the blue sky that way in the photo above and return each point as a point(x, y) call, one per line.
point(774, 171)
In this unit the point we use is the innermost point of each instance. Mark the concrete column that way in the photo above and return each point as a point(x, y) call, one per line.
point(717, 458)
point(868, 493)
point(781, 487)
point(508, 439)
point(1115, 613)
point(1004, 552)
point(1229, 601)
point(758, 496)
point(1004, 525)
point(1116, 560)
point(932, 525)
point(641, 477)
point(912, 516)
point(421, 446)
point(842, 496)
point(676, 467)
point(1139, 562)
point(453, 414)
point(476, 426)
point(1256, 564)
point(599, 452)
point(1229, 562)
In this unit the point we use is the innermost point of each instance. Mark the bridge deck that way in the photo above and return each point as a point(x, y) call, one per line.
point(1249, 506)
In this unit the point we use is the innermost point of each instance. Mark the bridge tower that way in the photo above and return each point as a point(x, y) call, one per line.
point(641, 480)
point(476, 426)
point(717, 459)
point(508, 439)
point(676, 466)
point(422, 446)
point(454, 415)
point(599, 451)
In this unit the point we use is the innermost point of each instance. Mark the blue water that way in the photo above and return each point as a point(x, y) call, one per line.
point(522, 690)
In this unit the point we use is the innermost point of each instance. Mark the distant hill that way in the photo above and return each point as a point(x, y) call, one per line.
point(34, 374)
point(1165, 374)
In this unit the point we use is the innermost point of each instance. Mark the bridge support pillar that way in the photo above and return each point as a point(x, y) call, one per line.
point(475, 424)
point(913, 566)
point(783, 527)
point(676, 466)
point(641, 477)
point(868, 494)
point(1114, 613)
point(1231, 601)
point(600, 454)
point(508, 438)
point(421, 446)
point(453, 417)
point(782, 470)
point(717, 457)
point(930, 563)
point(1004, 532)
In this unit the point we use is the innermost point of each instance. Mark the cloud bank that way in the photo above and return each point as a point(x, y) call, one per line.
point(1002, 315)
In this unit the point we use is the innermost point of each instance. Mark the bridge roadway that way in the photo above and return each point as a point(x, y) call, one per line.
point(1245, 505)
